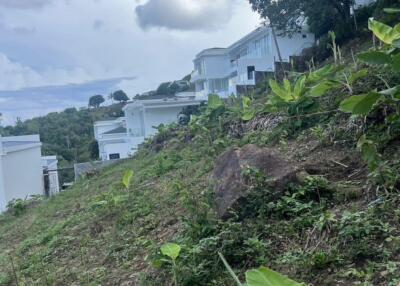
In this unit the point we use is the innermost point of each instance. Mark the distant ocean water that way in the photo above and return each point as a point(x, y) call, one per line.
point(38, 101)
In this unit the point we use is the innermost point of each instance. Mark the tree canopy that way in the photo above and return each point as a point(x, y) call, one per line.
point(289, 16)
point(120, 96)
point(96, 100)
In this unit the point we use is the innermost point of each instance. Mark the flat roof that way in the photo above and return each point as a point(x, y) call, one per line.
point(212, 52)
point(159, 103)
point(18, 143)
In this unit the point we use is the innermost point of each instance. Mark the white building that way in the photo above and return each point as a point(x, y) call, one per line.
point(112, 139)
point(50, 175)
point(121, 138)
point(222, 70)
point(21, 173)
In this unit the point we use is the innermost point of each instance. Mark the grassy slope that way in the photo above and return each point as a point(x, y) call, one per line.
point(337, 228)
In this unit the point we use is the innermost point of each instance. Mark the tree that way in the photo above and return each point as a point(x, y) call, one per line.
point(289, 16)
point(120, 96)
point(96, 100)
point(163, 88)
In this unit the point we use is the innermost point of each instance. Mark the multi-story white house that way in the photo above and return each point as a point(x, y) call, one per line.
point(121, 138)
point(221, 70)
point(21, 172)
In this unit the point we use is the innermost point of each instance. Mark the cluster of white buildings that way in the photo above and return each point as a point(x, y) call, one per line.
point(120, 138)
point(245, 63)
point(23, 170)
point(219, 71)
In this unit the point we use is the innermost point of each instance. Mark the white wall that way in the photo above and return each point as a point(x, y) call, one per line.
point(3, 202)
point(156, 116)
point(123, 149)
point(293, 46)
point(134, 121)
point(23, 174)
point(216, 66)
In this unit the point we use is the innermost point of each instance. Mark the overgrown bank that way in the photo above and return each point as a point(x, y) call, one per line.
point(338, 226)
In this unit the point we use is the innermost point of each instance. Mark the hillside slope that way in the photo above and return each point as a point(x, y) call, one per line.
point(338, 225)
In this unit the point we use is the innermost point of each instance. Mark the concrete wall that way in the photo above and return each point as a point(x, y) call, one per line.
point(121, 148)
point(3, 202)
point(134, 121)
point(23, 174)
point(157, 116)
point(293, 46)
point(83, 168)
point(216, 66)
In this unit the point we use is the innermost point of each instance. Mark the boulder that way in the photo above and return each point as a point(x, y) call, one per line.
point(230, 186)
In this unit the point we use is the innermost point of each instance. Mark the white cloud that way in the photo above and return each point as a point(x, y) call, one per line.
point(16, 76)
point(185, 14)
point(24, 4)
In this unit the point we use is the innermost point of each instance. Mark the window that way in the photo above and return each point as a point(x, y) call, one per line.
point(250, 72)
point(217, 85)
point(114, 156)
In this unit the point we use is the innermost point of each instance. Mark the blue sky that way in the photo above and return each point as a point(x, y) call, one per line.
point(57, 53)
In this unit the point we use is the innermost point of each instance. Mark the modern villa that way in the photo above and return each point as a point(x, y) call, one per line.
point(121, 137)
point(223, 71)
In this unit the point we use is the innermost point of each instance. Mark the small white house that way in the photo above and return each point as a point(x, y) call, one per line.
point(50, 175)
point(112, 139)
point(21, 172)
point(221, 70)
point(121, 138)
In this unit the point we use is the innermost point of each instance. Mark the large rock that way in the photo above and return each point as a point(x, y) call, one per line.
point(230, 186)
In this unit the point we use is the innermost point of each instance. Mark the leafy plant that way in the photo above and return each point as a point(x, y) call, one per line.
point(388, 56)
point(300, 94)
point(126, 179)
point(262, 276)
point(172, 251)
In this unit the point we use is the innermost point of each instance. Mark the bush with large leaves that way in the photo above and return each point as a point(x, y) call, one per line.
point(388, 56)
point(299, 96)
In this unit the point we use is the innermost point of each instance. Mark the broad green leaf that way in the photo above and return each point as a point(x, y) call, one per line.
point(279, 91)
point(299, 86)
point(126, 180)
point(248, 114)
point(360, 104)
point(354, 76)
point(264, 276)
point(369, 152)
point(246, 101)
point(392, 10)
point(171, 250)
point(375, 58)
point(322, 73)
point(214, 101)
point(394, 91)
point(287, 86)
point(384, 32)
point(321, 88)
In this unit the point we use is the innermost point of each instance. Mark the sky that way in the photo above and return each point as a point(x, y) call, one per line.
point(55, 54)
